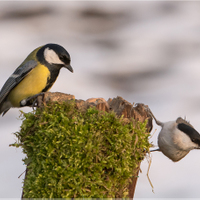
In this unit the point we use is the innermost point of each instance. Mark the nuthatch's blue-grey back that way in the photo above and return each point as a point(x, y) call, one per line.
point(176, 138)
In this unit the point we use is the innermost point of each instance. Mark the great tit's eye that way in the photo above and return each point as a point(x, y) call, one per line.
point(64, 59)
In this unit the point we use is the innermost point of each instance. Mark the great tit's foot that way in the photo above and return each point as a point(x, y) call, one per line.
point(38, 100)
point(33, 101)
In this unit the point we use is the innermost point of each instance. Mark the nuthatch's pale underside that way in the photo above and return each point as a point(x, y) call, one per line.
point(176, 138)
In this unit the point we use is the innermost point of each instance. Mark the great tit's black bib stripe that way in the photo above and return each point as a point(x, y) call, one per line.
point(191, 132)
point(18, 75)
point(53, 76)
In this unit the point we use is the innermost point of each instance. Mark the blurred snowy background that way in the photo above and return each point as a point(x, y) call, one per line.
point(147, 52)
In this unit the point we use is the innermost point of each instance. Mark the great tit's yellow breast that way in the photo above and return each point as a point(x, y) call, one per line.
point(32, 84)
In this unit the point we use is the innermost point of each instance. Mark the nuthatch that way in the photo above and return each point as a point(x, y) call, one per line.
point(176, 138)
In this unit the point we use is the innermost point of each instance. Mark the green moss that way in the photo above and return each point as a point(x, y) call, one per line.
point(72, 153)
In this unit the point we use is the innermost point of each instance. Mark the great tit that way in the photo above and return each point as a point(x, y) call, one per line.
point(35, 75)
point(176, 138)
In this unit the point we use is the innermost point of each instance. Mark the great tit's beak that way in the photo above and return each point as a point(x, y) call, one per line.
point(69, 68)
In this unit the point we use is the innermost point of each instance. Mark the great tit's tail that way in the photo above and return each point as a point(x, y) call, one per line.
point(4, 107)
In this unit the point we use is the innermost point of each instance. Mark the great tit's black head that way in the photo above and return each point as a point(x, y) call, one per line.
point(54, 54)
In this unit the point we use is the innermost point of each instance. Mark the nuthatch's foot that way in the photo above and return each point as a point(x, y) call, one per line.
point(157, 121)
point(154, 150)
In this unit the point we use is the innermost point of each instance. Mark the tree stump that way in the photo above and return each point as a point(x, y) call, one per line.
point(120, 106)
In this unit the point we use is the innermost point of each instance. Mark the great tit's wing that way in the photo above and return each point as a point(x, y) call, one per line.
point(19, 74)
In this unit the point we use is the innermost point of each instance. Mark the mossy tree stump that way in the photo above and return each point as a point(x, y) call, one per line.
point(81, 149)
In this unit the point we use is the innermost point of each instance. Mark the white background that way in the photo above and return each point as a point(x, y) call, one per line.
point(146, 52)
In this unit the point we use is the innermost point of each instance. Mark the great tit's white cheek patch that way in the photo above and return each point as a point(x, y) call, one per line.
point(51, 57)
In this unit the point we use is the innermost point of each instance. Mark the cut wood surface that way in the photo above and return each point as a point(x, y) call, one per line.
point(119, 105)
